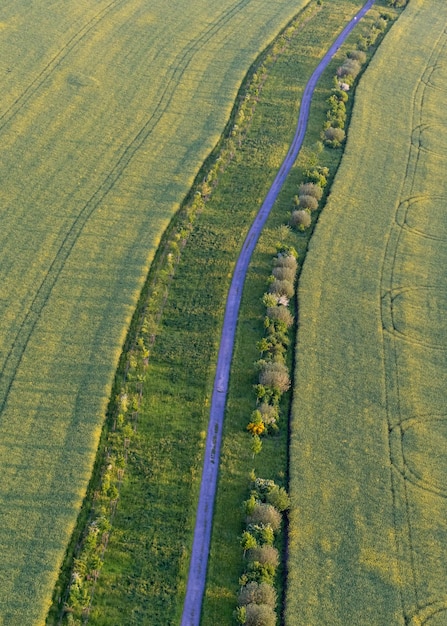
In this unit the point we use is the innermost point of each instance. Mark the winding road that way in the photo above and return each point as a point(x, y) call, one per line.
point(202, 532)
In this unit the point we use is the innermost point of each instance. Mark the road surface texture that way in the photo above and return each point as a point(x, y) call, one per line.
point(202, 533)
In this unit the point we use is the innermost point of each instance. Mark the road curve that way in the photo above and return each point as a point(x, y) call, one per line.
point(202, 533)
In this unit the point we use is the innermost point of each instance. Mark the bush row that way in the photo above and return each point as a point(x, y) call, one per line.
point(273, 373)
point(333, 133)
point(308, 198)
point(263, 518)
point(398, 3)
point(267, 501)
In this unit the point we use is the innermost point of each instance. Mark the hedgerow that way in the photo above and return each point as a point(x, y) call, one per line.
point(267, 501)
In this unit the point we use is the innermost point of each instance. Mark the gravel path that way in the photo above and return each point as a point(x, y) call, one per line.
point(202, 533)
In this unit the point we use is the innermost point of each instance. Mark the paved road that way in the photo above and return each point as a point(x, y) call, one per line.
point(202, 533)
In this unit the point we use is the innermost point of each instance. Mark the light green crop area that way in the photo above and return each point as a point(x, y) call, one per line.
point(108, 108)
point(368, 533)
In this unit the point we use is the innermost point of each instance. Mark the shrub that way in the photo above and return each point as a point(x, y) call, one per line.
point(336, 116)
point(257, 593)
point(363, 43)
point(269, 299)
point(284, 273)
point(250, 504)
point(287, 260)
point(256, 428)
point(341, 94)
point(259, 615)
point(264, 534)
point(261, 485)
point(240, 615)
point(301, 219)
point(334, 136)
point(280, 313)
point(279, 498)
point(248, 542)
point(311, 189)
point(256, 445)
point(351, 67)
point(284, 251)
point(265, 514)
point(282, 288)
point(357, 55)
point(269, 413)
point(318, 175)
point(264, 555)
point(261, 572)
point(308, 202)
point(275, 375)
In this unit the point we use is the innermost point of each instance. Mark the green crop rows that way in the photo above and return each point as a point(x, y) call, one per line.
point(368, 467)
point(107, 111)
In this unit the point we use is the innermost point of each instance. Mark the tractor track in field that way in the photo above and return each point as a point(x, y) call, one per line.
point(202, 533)
point(43, 292)
point(15, 107)
point(402, 474)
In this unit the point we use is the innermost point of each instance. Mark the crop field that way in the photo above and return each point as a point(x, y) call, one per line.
point(368, 527)
point(108, 109)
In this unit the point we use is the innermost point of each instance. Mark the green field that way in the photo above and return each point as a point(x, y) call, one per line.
point(368, 468)
point(108, 109)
